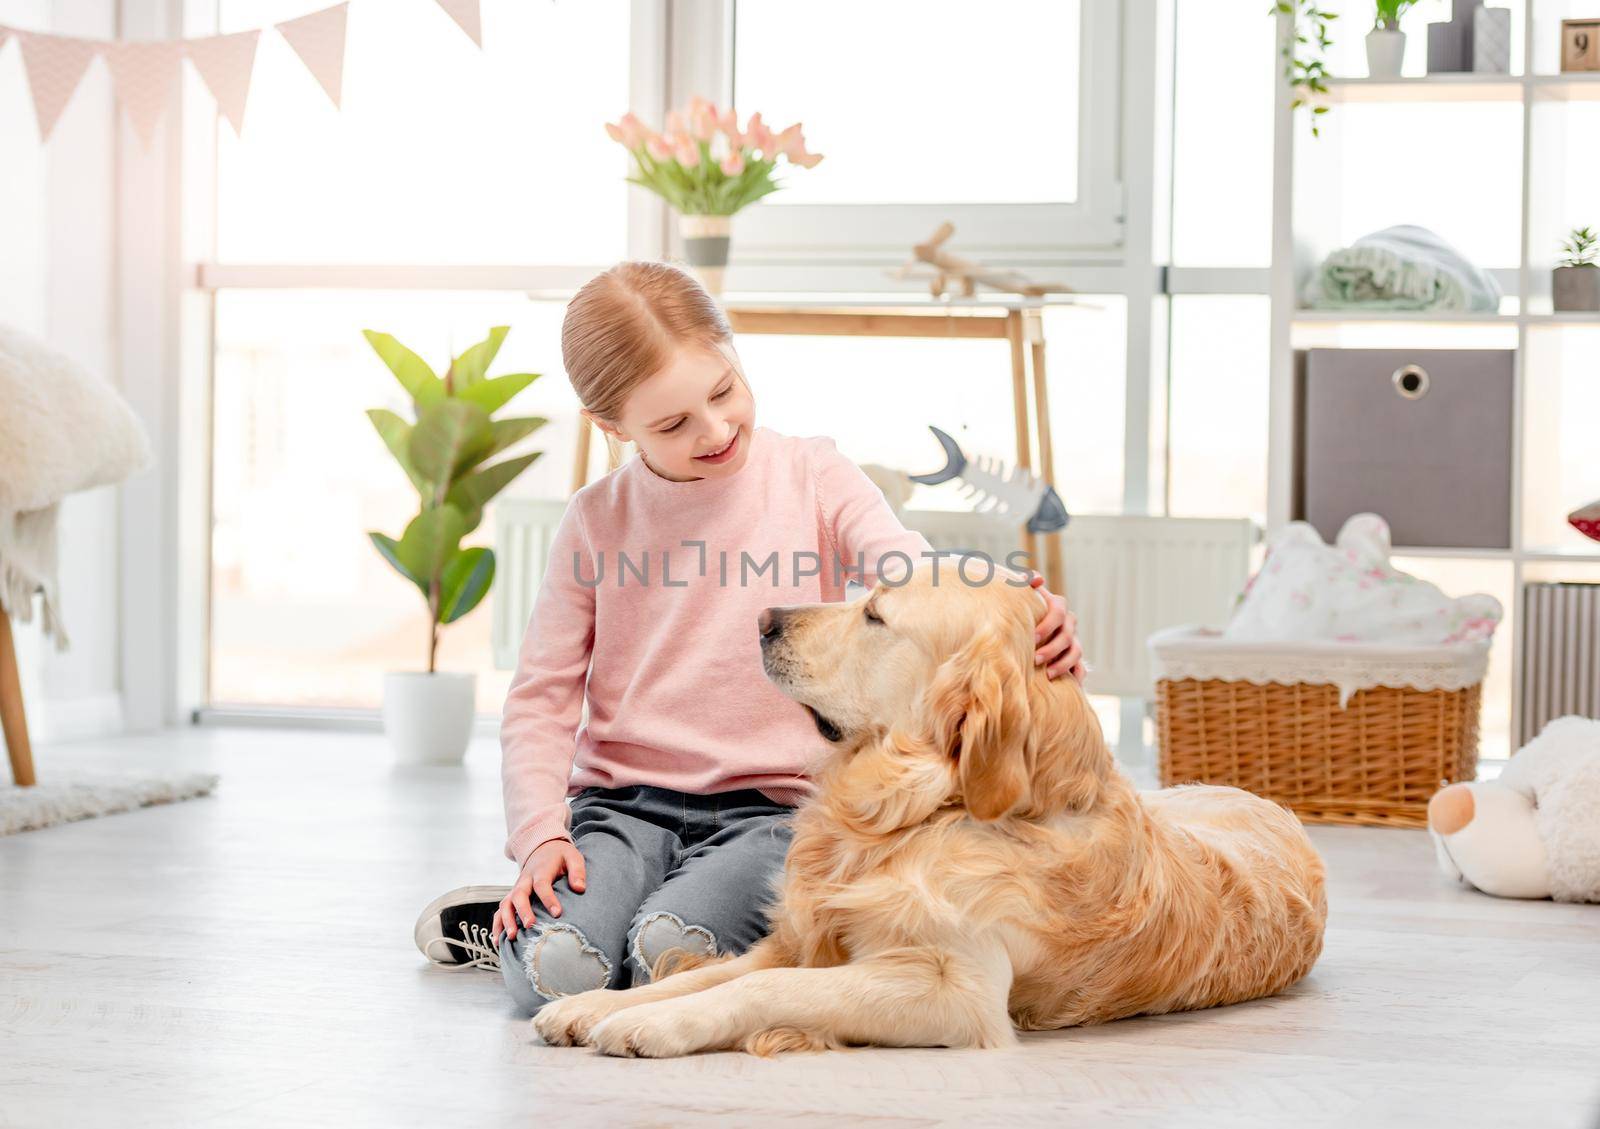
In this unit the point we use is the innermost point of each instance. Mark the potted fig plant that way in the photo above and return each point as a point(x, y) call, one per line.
point(445, 452)
point(1575, 284)
point(1386, 43)
point(708, 169)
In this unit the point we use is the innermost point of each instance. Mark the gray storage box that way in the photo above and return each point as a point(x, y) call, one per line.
point(1420, 436)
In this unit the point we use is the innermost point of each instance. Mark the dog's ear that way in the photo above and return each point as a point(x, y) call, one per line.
point(979, 705)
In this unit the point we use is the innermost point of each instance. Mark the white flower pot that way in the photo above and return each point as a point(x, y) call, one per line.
point(1386, 50)
point(706, 240)
point(428, 717)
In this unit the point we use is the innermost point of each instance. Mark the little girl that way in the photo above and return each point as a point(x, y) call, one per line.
point(691, 761)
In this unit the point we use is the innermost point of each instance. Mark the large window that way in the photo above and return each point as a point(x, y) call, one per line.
point(1217, 406)
point(459, 189)
point(453, 162)
point(1012, 136)
point(304, 612)
point(1224, 71)
point(893, 139)
point(441, 153)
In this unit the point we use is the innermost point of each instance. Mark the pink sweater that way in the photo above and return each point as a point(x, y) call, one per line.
point(671, 663)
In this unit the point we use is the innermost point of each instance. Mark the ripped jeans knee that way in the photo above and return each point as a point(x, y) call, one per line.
point(560, 961)
point(660, 933)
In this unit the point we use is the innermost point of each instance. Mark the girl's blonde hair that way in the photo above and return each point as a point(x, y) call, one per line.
point(624, 325)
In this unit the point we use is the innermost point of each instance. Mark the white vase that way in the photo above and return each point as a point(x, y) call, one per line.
point(428, 717)
point(706, 240)
point(1386, 50)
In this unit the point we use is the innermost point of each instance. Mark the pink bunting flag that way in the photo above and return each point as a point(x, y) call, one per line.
point(467, 17)
point(225, 63)
point(146, 77)
point(55, 65)
point(319, 41)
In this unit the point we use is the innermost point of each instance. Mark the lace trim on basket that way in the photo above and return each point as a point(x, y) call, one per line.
point(1349, 675)
point(1456, 669)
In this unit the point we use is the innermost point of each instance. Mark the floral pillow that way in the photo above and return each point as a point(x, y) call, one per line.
point(1348, 592)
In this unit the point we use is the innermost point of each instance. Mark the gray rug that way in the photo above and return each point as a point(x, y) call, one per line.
point(65, 796)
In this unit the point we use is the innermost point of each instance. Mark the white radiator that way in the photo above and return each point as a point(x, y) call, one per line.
point(523, 531)
point(1560, 654)
point(1127, 577)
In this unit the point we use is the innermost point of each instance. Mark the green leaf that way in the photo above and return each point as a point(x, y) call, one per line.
point(496, 392)
point(470, 367)
point(390, 548)
point(472, 493)
point(429, 541)
point(396, 434)
point(509, 431)
point(409, 369)
point(464, 583)
point(449, 435)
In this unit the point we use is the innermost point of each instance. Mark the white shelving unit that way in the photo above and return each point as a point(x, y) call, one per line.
point(1555, 109)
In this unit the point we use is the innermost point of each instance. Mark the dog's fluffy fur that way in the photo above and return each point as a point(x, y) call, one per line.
point(974, 861)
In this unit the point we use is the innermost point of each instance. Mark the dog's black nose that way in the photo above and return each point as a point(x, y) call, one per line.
point(770, 621)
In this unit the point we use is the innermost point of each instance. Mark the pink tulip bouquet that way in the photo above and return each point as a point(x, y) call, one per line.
point(703, 164)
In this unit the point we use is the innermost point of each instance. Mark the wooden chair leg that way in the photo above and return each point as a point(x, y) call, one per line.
point(13, 722)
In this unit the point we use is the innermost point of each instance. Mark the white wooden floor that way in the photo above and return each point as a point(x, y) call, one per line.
point(246, 960)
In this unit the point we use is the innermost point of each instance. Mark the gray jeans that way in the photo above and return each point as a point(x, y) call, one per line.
point(664, 870)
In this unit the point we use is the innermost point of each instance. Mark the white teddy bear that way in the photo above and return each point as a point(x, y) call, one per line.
point(1534, 832)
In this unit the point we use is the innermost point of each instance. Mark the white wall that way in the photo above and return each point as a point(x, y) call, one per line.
point(56, 225)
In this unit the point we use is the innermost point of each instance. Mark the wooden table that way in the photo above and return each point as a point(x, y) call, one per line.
point(1018, 322)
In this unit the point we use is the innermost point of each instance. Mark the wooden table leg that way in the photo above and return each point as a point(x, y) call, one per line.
point(13, 722)
point(1019, 397)
point(1054, 573)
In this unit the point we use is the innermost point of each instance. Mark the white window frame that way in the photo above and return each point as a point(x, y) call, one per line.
point(1089, 230)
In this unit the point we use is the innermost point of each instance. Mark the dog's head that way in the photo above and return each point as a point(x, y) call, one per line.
point(929, 691)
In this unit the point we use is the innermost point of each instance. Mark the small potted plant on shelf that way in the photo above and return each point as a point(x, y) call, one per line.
point(1575, 284)
point(1386, 43)
point(428, 714)
point(708, 169)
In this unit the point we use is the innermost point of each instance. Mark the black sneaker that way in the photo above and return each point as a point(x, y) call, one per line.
point(455, 929)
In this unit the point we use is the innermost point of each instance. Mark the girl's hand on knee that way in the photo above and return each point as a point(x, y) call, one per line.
point(549, 861)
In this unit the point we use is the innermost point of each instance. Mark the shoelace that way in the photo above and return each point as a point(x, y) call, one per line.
point(475, 942)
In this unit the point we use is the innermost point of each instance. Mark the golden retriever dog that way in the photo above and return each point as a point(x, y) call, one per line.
point(974, 861)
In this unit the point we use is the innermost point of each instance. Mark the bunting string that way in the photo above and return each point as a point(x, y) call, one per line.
point(144, 73)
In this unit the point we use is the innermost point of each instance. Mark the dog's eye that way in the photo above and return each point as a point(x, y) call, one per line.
point(871, 613)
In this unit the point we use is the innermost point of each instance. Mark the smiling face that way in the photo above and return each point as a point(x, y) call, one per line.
point(693, 418)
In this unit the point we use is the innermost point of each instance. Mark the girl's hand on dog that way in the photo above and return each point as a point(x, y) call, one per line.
point(549, 861)
point(1057, 636)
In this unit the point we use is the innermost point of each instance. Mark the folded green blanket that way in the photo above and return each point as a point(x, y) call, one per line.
point(1401, 268)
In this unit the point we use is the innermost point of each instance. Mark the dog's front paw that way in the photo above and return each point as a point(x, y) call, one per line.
point(567, 1022)
point(654, 1031)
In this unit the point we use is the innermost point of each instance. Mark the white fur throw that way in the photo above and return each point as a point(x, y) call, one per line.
point(61, 430)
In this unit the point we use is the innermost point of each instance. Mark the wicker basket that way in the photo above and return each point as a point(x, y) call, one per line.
point(1339, 733)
